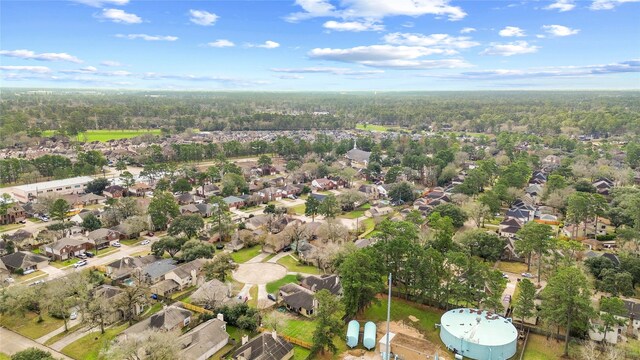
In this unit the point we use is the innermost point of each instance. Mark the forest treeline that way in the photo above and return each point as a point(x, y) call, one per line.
point(543, 113)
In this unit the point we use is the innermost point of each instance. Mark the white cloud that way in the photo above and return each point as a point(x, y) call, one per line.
point(30, 55)
point(267, 45)
point(326, 70)
point(608, 4)
point(511, 31)
point(111, 63)
point(290, 77)
point(559, 30)
point(376, 9)
point(31, 69)
point(354, 26)
point(147, 37)
point(221, 43)
point(102, 3)
point(389, 56)
point(632, 66)
point(509, 49)
point(433, 40)
point(467, 30)
point(120, 16)
point(201, 17)
point(561, 5)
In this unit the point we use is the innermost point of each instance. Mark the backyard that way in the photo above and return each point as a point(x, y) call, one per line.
point(246, 254)
point(106, 135)
point(299, 328)
point(292, 264)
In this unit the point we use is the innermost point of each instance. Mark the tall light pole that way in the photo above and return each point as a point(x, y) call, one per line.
point(388, 349)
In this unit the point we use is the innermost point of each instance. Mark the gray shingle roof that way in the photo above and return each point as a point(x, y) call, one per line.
point(265, 346)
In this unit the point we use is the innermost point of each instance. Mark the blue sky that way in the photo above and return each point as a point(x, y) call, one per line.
point(321, 45)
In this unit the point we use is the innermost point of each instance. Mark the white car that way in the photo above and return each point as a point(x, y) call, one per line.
point(73, 315)
point(80, 263)
point(116, 244)
point(145, 242)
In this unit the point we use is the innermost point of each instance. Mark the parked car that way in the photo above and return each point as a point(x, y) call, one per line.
point(38, 282)
point(116, 244)
point(28, 271)
point(219, 246)
point(286, 248)
point(89, 254)
point(292, 197)
point(527, 275)
point(9, 280)
point(80, 263)
point(81, 256)
point(150, 233)
point(271, 297)
point(145, 242)
point(73, 315)
point(505, 276)
point(22, 221)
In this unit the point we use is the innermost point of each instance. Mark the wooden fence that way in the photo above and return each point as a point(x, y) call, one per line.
point(290, 339)
point(197, 309)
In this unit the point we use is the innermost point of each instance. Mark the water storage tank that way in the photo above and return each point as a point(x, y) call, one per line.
point(353, 333)
point(478, 334)
point(369, 338)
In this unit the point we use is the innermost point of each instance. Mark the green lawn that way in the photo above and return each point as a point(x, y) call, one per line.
point(353, 214)
point(27, 324)
point(300, 353)
point(299, 328)
point(141, 253)
point(102, 253)
point(253, 294)
point(401, 310)
point(268, 258)
point(8, 227)
point(131, 242)
point(106, 135)
point(58, 337)
point(292, 264)
point(88, 347)
point(61, 264)
point(273, 287)
point(4, 356)
point(369, 226)
point(373, 127)
point(539, 348)
point(514, 267)
point(33, 275)
point(153, 309)
point(246, 254)
point(298, 209)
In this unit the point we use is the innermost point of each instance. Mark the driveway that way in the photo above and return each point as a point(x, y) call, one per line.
point(12, 343)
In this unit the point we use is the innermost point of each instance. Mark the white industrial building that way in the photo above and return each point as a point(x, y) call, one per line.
point(29, 192)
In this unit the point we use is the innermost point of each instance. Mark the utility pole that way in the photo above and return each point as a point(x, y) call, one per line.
point(388, 320)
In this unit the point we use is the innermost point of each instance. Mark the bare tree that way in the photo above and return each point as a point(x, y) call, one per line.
point(151, 345)
point(133, 296)
point(275, 320)
point(332, 231)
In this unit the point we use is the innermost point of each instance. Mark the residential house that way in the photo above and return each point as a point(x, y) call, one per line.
point(140, 189)
point(172, 317)
point(206, 210)
point(378, 211)
point(14, 214)
point(126, 231)
point(155, 271)
point(521, 214)
point(209, 191)
point(266, 346)
point(79, 217)
point(214, 292)
point(270, 194)
point(509, 227)
point(370, 191)
point(204, 340)
point(323, 184)
point(603, 186)
point(91, 199)
point(187, 274)
point(298, 299)
point(103, 238)
point(24, 260)
point(165, 287)
point(186, 198)
point(316, 283)
point(112, 294)
point(67, 248)
point(288, 190)
point(233, 202)
point(114, 191)
point(125, 267)
point(613, 257)
point(190, 209)
point(358, 158)
point(20, 238)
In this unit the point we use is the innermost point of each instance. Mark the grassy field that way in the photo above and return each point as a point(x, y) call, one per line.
point(106, 135)
point(292, 264)
point(103, 253)
point(131, 242)
point(272, 287)
point(88, 347)
point(539, 348)
point(246, 254)
point(299, 328)
point(4, 356)
point(369, 226)
point(401, 310)
point(9, 227)
point(27, 324)
point(33, 275)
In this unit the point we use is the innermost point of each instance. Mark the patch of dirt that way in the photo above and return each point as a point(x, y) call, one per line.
point(413, 318)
